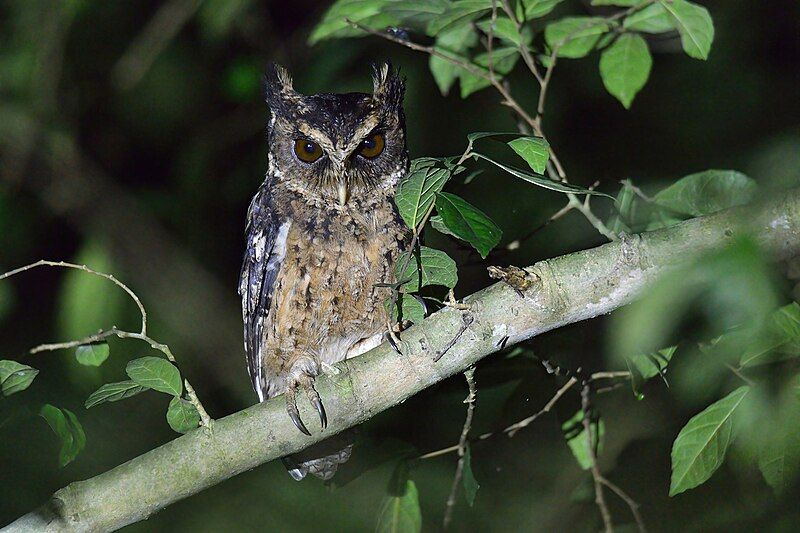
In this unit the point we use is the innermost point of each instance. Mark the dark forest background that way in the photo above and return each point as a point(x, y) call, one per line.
point(140, 157)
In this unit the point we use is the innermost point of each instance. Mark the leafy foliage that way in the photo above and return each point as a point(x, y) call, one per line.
point(625, 67)
point(15, 377)
point(68, 429)
point(157, 374)
point(535, 152)
point(575, 37)
point(468, 223)
point(703, 442)
point(182, 415)
point(92, 354)
point(401, 512)
point(113, 392)
point(707, 192)
point(695, 26)
point(577, 440)
point(426, 267)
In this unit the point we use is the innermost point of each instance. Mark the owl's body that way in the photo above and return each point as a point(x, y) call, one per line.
point(322, 232)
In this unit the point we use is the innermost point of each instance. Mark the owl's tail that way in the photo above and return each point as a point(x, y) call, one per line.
point(322, 459)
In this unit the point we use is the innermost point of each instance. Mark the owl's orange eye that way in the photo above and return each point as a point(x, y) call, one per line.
point(307, 151)
point(372, 146)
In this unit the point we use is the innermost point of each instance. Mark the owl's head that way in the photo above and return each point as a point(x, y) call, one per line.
point(337, 147)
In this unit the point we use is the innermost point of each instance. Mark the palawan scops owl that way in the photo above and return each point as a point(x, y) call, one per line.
point(322, 231)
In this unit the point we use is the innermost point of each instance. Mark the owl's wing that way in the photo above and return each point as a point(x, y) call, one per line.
point(266, 247)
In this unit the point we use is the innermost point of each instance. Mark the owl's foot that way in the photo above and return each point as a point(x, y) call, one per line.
point(303, 380)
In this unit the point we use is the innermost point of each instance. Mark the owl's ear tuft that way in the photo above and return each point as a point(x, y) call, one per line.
point(388, 86)
point(278, 89)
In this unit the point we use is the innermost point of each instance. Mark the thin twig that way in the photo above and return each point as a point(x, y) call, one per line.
point(109, 277)
point(740, 375)
point(205, 419)
point(513, 428)
point(599, 498)
point(632, 505)
point(469, 374)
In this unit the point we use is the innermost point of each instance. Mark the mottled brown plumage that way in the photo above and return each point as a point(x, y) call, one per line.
point(322, 232)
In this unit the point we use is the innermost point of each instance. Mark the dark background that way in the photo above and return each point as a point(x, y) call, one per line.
point(145, 170)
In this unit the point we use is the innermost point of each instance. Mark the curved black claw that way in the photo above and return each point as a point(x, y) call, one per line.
point(291, 408)
point(316, 401)
point(323, 418)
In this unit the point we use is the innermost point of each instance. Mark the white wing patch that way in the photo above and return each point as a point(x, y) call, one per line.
point(276, 256)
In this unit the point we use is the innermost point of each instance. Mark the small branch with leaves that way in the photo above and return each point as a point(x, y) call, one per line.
point(145, 373)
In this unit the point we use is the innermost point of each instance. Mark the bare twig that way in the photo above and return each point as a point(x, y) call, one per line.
point(469, 374)
point(109, 277)
point(632, 505)
point(599, 498)
point(513, 428)
point(205, 419)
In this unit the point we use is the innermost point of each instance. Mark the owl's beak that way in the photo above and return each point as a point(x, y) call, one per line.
point(344, 193)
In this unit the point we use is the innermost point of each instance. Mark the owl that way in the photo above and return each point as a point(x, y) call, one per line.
point(322, 233)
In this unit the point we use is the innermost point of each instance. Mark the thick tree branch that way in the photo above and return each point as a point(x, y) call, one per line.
point(572, 288)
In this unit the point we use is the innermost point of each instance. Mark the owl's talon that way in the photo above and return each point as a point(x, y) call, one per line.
point(316, 401)
point(291, 408)
point(323, 417)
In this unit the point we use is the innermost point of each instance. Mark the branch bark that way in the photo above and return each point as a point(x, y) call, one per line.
point(572, 288)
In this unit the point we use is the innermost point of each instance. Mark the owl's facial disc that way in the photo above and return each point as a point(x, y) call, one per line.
point(337, 148)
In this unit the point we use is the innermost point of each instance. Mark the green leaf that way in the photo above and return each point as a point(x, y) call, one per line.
point(651, 365)
point(411, 309)
point(471, 485)
point(538, 8)
point(474, 136)
point(625, 67)
point(113, 392)
point(503, 61)
point(15, 377)
point(779, 457)
point(575, 433)
point(624, 210)
point(540, 180)
point(401, 514)
point(438, 224)
point(68, 429)
point(707, 192)
point(777, 340)
point(652, 19)
point(429, 267)
point(703, 442)
point(468, 223)
point(182, 415)
point(574, 37)
point(505, 29)
point(620, 3)
point(695, 26)
point(157, 374)
point(92, 354)
point(417, 192)
point(452, 42)
point(462, 12)
point(534, 150)
point(370, 13)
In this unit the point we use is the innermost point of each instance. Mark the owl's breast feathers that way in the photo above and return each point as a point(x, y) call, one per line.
point(308, 280)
